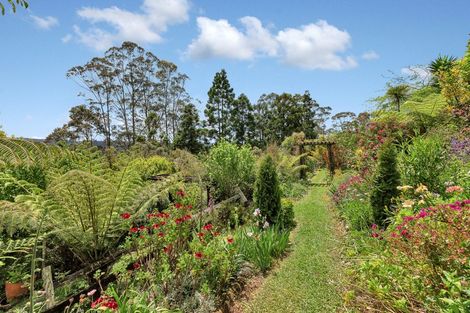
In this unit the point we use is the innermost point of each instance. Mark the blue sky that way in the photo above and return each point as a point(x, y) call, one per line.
point(339, 50)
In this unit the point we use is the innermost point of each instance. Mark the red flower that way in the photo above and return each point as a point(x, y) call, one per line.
point(200, 235)
point(216, 234)
point(162, 223)
point(230, 240)
point(134, 230)
point(179, 221)
point(375, 235)
point(186, 217)
point(189, 206)
point(161, 235)
point(136, 265)
point(167, 249)
point(155, 226)
point(374, 226)
point(178, 205)
point(207, 227)
point(142, 227)
point(198, 255)
point(180, 193)
point(125, 216)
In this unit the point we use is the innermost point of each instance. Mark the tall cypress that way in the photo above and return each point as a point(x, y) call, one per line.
point(219, 104)
point(267, 191)
point(386, 181)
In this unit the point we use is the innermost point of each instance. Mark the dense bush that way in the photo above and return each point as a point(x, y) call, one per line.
point(286, 219)
point(426, 161)
point(229, 167)
point(267, 192)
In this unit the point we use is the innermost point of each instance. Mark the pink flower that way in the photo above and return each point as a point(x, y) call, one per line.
point(374, 226)
point(91, 292)
point(453, 189)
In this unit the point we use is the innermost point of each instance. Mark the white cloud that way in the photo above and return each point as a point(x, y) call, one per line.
point(44, 22)
point(218, 38)
point(370, 55)
point(316, 46)
point(144, 27)
point(66, 38)
point(313, 46)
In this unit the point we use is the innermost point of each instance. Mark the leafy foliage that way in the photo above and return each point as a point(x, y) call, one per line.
point(229, 166)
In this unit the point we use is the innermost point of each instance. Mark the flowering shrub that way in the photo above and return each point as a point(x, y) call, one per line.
point(351, 198)
point(432, 245)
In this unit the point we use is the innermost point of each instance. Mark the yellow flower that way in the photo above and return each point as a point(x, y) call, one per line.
point(404, 188)
point(421, 188)
point(408, 203)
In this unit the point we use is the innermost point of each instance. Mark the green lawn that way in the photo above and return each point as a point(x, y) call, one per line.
point(309, 279)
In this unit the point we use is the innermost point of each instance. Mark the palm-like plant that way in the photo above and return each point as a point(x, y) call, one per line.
point(442, 63)
point(396, 95)
point(14, 4)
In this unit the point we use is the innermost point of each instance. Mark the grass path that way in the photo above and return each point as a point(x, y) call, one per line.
point(309, 279)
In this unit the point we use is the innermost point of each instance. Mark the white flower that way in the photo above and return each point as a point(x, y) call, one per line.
point(265, 225)
point(257, 212)
point(249, 234)
point(91, 292)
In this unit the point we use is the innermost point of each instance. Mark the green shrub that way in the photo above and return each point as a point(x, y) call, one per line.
point(229, 167)
point(286, 217)
point(358, 214)
point(385, 184)
point(267, 192)
point(152, 166)
point(426, 161)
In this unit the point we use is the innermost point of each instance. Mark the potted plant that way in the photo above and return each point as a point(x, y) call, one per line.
point(15, 286)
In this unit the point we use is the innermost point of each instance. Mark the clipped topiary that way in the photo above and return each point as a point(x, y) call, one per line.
point(267, 192)
point(386, 181)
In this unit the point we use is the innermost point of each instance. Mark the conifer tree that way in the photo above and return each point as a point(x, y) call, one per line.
point(218, 107)
point(386, 181)
point(267, 191)
point(242, 120)
point(189, 133)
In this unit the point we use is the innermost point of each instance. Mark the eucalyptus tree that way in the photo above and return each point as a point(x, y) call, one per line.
point(96, 78)
point(172, 96)
point(136, 95)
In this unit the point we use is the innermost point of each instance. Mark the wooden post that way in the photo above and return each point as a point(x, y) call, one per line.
point(48, 286)
point(303, 172)
point(331, 159)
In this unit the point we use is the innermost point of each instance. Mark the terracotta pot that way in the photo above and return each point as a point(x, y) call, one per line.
point(15, 290)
